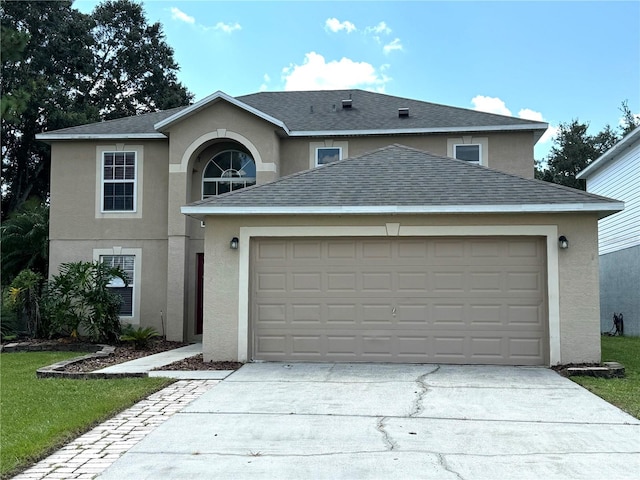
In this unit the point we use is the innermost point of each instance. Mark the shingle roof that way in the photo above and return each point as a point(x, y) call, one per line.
point(321, 112)
point(136, 125)
point(401, 179)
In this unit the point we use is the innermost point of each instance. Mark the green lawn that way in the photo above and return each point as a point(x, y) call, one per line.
point(37, 416)
point(622, 392)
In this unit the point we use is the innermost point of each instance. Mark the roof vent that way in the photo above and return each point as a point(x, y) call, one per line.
point(403, 112)
point(347, 103)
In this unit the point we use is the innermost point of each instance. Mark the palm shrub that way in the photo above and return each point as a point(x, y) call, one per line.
point(79, 299)
point(24, 238)
point(140, 337)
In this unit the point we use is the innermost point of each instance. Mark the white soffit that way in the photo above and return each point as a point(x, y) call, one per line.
point(204, 209)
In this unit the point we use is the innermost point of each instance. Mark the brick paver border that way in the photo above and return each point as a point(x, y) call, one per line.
point(89, 455)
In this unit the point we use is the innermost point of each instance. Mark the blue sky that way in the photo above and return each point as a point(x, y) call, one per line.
point(543, 60)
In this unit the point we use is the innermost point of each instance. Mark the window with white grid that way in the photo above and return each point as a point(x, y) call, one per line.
point(127, 264)
point(119, 181)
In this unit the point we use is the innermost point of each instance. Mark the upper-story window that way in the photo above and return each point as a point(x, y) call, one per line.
point(227, 171)
point(470, 153)
point(119, 181)
point(326, 155)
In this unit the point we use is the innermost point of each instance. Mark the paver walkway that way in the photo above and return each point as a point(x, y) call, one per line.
point(92, 453)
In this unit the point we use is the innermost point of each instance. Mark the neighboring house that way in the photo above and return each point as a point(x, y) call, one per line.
point(315, 226)
point(617, 174)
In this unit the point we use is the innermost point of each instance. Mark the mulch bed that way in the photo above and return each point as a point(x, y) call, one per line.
point(126, 352)
point(197, 363)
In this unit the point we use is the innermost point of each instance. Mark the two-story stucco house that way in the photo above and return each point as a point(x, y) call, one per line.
point(617, 174)
point(334, 226)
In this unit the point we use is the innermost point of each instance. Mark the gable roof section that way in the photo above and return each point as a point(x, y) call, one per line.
point(400, 179)
point(315, 113)
point(611, 154)
point(216, 97)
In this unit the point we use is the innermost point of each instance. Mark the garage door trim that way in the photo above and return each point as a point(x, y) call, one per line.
point(550, 232)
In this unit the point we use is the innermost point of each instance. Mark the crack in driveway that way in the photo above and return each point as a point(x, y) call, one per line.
point(417, 403)
point(388, 440)
point(443, 463)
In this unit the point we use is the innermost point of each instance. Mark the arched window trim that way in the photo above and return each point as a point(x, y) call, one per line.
point(233, 178)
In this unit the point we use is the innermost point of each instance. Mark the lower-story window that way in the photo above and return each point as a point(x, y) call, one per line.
point(126, 263)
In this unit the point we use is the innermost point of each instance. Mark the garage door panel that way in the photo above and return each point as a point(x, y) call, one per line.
point(479, 300)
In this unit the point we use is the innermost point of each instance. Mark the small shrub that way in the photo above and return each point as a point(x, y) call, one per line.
point(23, 298)
point(9, 327)
point(140, 337)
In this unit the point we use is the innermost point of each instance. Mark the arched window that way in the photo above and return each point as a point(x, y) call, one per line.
point(227, 171)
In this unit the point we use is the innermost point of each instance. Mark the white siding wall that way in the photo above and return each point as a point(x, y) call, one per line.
point(619, 179)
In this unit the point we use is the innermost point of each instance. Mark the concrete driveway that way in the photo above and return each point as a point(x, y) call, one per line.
point(363, 421)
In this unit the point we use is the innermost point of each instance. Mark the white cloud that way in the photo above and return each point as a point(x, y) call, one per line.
point(529, 114)
point(336, 25)
point(227, 27)
point(266, 77)
point(378, 29)
point(490, 105)
point(394, 45)
point(178, 14)
point(317, 74)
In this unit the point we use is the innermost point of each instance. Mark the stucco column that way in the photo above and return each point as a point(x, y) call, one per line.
point(177, 257)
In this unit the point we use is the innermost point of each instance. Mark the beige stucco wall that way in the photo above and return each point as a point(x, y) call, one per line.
point(579, 321)
point(74, 181)
point(76, 229)
point(508, 152)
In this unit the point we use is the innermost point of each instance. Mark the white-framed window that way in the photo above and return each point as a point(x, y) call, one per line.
point(228, 171)
point(119, 176)
point(125, 290)
point(326, 155)
point(471, 153)
point(129, 260)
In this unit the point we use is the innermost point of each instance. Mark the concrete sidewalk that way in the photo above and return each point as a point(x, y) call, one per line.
point(390, 422)
point(149, 363)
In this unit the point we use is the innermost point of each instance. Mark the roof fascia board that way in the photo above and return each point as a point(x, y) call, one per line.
point(395, 209)
point(187, 112)
point(397, 131)
point(99, 136)
point(602, 160)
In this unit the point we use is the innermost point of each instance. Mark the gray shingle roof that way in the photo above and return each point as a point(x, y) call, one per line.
point(139, 124)
point(403, 179)
point(321, 111)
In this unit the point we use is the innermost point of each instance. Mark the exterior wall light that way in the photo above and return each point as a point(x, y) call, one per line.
point(563, 242)
point(234, 243)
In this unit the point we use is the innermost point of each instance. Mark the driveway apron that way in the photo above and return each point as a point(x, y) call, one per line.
point(381, 421)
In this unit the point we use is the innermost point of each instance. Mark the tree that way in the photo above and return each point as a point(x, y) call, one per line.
point(574, 149)
point(630, 121)
point(62, 68)
point(133, 67)
point(43, 80)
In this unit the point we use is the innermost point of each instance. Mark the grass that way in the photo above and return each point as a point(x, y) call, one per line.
point(38, 416)
point(621, 392)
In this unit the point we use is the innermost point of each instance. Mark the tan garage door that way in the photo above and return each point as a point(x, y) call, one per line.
point(423, 300)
